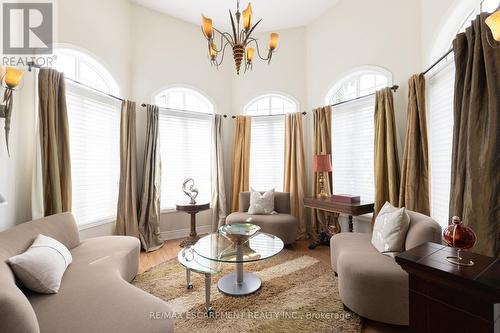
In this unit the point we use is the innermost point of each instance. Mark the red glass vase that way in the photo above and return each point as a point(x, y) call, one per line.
point(459, 236)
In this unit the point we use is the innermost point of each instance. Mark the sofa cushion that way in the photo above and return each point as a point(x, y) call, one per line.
point(41, 267)
point(261, 203)
point(282, 225)
point(390, 228)
point(96, 295)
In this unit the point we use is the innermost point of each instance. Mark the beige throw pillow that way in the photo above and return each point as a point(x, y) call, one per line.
point(261, 204)
point(41, 267)
point(390, 229)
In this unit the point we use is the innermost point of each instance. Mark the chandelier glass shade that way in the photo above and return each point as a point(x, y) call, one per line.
point(240, 41)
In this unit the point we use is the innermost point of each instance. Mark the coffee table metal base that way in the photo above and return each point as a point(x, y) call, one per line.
point(229, 284)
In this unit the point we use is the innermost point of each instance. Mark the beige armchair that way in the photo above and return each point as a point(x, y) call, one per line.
point(372, 284)
point(282, 224)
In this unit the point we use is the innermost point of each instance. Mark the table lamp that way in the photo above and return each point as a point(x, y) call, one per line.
point(461, 237)
point(321, 164)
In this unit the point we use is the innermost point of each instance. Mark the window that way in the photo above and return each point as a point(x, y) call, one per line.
point(353, 131)
point(363, 81)
point(267, 146)
point(94, 130)
point(440, 114)
point(185, 143)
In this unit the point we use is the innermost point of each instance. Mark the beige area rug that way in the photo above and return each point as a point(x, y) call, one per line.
point(298, 294)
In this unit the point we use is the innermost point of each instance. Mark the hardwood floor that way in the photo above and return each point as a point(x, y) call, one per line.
point(171, 248)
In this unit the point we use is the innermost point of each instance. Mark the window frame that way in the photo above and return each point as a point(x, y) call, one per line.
point(270, 95)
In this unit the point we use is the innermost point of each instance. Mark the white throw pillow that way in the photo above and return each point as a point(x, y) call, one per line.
point(262, 204)
point(42, 266)
point(390, 228)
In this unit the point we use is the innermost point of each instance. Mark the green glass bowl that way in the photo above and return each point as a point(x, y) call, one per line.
point(239, 233)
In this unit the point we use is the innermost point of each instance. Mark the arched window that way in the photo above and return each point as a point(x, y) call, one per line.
point(267, 148)
point(185, 137)
point(353, 130)
point(360, 82)
point(94, 132)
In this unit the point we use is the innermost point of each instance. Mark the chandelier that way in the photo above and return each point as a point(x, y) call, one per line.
point(240, 40)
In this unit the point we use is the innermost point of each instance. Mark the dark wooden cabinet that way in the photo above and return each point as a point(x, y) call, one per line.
point(448, 298)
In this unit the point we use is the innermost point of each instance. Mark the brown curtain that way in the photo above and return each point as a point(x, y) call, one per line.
point(149, 214)
point(295, 173)
point(414, 190)
point(54, 138)
point(386, 158)
point(126, 215)
point(322, 127)
point(475, 173)
point(241, 159)
point(219, 204)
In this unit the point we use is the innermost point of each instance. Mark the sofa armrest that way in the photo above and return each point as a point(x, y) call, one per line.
point(422, 229)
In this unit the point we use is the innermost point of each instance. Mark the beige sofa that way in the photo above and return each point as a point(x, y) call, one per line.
point(95, 294)
point(282, 224)
point(372, 284)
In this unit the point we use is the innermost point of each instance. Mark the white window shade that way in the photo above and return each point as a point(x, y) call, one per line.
point(267, 153)
point(94, 127)
point(352, 148)
point(440, 115)
point(185, 153)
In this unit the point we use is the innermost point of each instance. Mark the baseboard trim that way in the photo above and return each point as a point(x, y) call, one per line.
point(181, 233)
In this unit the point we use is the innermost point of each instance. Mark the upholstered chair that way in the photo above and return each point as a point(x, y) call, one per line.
point(372, 284)
point(281, 224)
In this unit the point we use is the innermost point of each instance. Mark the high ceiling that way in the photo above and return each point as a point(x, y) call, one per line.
point(276, 14)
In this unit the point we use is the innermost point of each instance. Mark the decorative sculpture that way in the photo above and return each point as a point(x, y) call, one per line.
point(191, 192)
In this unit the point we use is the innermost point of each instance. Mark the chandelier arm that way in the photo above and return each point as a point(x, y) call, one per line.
point(250, 31)
point(233, 26)
point(258, 49)
point(226, 35)
point(222, 55)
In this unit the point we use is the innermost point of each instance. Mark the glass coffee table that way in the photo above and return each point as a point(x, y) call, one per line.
point(218, 248)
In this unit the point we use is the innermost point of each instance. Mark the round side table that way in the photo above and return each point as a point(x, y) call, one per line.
point(191, 209)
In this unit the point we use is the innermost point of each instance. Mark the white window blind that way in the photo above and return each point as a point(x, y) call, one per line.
point(185, 153)
point(440, 114)
point(352, 147)
point(94, 129)
point(267, 153)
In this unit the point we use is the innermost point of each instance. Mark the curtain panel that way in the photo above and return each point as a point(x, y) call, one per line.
point(386, 168)
point(322, 144)
point(295, 173)
point(241, 159)
point(54, 139)
point(414, 190)
point(126, 215)
point(149, 214)
point(475, 173)
point(219, 206)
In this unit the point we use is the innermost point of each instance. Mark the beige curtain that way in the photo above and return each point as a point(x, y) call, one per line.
point(126, 215)
point(414, 190)
point(475, 173)
point(54, 138)
point(219, 205)
point(149, 214)
point(322, 127)
point(241, 159)
point(386, 151)
point(295, 173)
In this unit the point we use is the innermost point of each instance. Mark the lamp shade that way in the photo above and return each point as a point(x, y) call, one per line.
point(212, 51)
point(322, 163)
point(273, 42)
point(206, 25)
point(247, 17)
point(493, 22)
point(250, 52)
point(13, 77)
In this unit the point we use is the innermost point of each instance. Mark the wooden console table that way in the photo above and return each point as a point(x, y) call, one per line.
point(448, 298)
point(336, 208)
point(191, 209)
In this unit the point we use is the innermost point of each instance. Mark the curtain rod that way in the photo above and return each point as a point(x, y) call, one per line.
point(270, 115)
point(438, 61)
point(33, 65)
point(394, 88)
point(180, 110)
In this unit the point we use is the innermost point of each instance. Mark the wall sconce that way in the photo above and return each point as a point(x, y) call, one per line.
point(10, 81)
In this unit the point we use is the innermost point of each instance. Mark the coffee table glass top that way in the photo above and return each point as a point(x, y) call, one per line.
point(218, 248)
point(192, 261)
